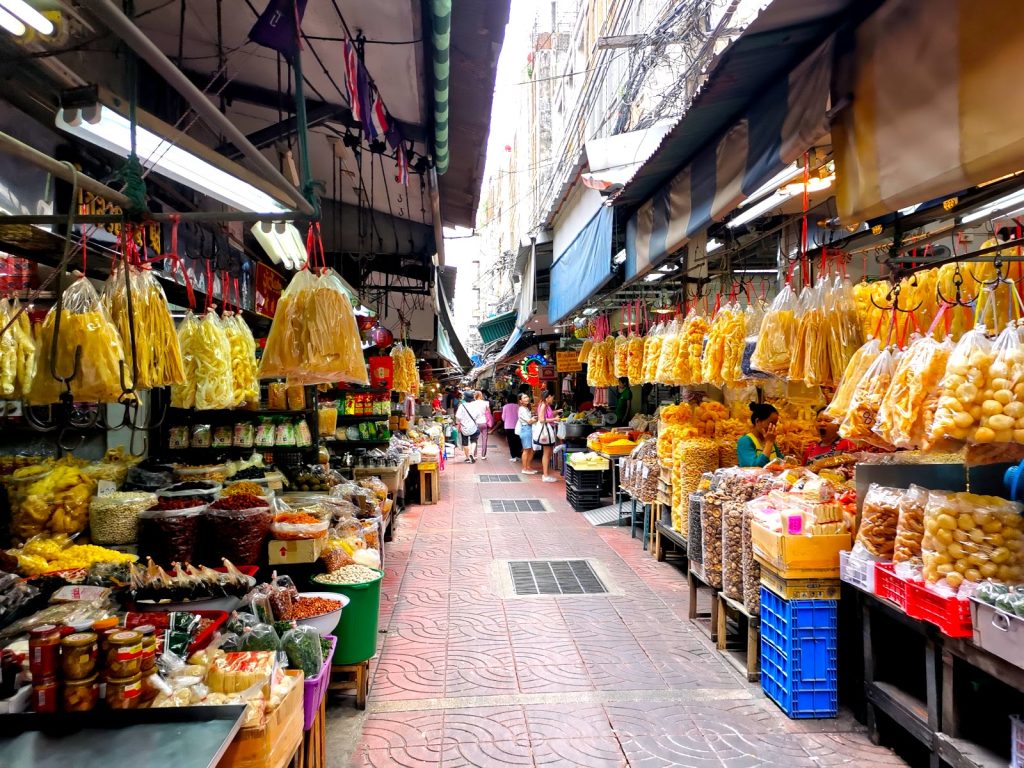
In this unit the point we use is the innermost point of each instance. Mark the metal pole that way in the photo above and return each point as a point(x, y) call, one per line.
point(122, 26)
point(61, 171)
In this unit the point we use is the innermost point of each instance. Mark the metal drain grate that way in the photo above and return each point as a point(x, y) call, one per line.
point(555, 577)
point(517, 505)
point(498, 478)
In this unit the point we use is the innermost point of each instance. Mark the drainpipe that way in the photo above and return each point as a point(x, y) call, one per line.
point(441, 34)
point(435, 212)
point(123, 27)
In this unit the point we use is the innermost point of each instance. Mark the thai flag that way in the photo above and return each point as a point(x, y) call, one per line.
point(402, 165)
point(352, 70)
point(379, 122)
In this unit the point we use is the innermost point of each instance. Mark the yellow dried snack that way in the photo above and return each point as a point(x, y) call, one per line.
point(855, 369)
point(636, 360)
point(621, 356)
point(862, 415)
point(245, 386)
point(907, 409)
point(775, 337)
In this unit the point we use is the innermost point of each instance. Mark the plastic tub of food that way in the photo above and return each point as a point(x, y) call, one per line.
point(169, 535)
point(204, 490)
point(239, 534)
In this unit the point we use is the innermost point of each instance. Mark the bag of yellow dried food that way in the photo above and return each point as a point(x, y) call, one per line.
point(652, 353)
point(245, 387)
point(918, 291)
point(8, 354)
point(400, 381)
point(288, 344)
point(25, 344)
point(723, 356)
point(55, 502)
point(84, 324)
point(855, 369)
point(636, 360)
point(843, 329)
point(669, 353)
point(584, 354)
point(908, 407)
point(184, 395)
point(609, 362)
point(961, 320)
point(734, 333)
point(621, 356)
point(869, 315)
point(158, 357)
point(809, 361)
point(679, 373)
point(775, 336)
point(212, 351)
point(693, 346)
point(862, 415)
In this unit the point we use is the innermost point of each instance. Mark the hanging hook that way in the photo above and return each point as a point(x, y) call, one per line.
point(958, 281)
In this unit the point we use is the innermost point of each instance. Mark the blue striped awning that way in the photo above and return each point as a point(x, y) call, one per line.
point(582, 268)
point(787, 118)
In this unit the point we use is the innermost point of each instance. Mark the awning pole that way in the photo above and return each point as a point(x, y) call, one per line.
point(61, 171)
point(122, 26)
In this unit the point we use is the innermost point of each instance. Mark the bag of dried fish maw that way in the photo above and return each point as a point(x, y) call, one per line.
point(84, 323)
point(212, 351)
point(908, 407)
point(855, 370)
point(775, 338)
point(862, 414)
point(809, 362)
point(287, 343)
point(245, 385)
point(158, 355)
point(8, 355)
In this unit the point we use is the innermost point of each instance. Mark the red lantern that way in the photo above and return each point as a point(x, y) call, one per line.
point(365, 322)
point(426, 371)
point(382, 337)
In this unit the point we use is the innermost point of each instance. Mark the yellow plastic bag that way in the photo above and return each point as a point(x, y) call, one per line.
point(84, 323)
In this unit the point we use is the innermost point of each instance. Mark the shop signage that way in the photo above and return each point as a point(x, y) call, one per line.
point(568, 362)
point(382, 371)
point(148, 239)
point(267, 287)
point(547, 373)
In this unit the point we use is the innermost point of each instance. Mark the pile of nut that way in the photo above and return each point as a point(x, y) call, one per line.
point(114, 518)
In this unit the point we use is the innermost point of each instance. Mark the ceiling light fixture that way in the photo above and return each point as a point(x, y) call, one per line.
point(619, 258)
point(712, 245)
point(814, 184)
point(110, 130)
point(999, 206)
point(286, 247)
point(772, 184)
point(654, 277)
point(29, 15)
point(11, 24)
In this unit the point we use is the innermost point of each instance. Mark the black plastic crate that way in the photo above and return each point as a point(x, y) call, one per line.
point(584, 479)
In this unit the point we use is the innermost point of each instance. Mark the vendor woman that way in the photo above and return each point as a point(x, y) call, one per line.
point(830, 443)
point(757, 447)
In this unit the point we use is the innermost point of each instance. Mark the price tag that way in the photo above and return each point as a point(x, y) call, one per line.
point(105, 487)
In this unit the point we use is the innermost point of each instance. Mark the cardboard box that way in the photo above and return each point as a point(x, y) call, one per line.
point(800, 589)
point(792, 556)
point(273, 744)
point(292, 552)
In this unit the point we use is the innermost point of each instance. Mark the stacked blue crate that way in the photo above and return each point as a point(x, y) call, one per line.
point(799, 655)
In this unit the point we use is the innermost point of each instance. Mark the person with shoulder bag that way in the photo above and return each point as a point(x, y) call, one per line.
point(468, 429)
point(544, 433)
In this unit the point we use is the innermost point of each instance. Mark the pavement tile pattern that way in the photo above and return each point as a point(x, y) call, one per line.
point(467, 675)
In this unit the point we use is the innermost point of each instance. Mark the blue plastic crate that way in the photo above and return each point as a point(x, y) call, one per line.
point(799, 667)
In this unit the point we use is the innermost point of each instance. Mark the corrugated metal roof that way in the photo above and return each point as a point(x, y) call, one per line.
point(785, 32)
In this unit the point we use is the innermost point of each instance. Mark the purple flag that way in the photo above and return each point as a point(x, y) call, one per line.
point(278, 26)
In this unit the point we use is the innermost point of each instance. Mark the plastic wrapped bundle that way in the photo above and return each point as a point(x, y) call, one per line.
point(732, 549)
point(652, 353)
point(621, 356)
point(855, 370)
point(314, 338)
point(723, 355)
point(668, 359)
point(206, 353)
point(751, 568)
point(159, 362)
point(245, 385)
point(184, 395)
point(86, 324)
point(843, 335)
point(862, 415)
point(908, 407)
point(810, 362)
point(775, 337)
point(711, 538)
point(868, 314)
point(909, 533)
point(8, 355)
point(693, 346)
point(635, 364)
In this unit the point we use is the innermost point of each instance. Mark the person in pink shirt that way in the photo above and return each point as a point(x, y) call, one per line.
point(510, 420)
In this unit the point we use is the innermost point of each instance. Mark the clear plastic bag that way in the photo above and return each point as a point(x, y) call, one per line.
point(652, 354)
point(86, 324)
point(621, 367)
point(711, 539)
point(809, 361)
point(732, 549)
point(750, 568)
point(302, 647)
point(908, 407)
point(969, 538)
point(775, 337)
point(878, 520)
point(968, 372)
point(909, 531)
point(862, 414)
point(635, 363)
point(245, 385)
point(667, 359)
point(855, 370)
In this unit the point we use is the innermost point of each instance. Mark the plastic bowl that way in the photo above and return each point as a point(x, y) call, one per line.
point(326, 623)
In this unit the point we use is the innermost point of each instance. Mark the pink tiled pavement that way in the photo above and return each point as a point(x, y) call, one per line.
point(466, 676)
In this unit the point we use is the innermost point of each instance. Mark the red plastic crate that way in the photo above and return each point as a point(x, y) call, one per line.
point(949, 614)
point(214, 621)
point(889, 586)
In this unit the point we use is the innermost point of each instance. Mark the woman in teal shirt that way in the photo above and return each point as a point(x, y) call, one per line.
point(757, 447)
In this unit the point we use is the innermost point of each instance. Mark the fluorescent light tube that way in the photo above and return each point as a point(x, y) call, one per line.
point(654, 277)
point(110, 130)
point(755, 271)
point(998, 206)
point(772, 184)
point(29, 15)
point(712, 245)
point(11, 24)
point(285, 248)
point(761, 208)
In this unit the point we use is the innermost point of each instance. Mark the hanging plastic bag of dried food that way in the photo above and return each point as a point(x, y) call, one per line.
point(809, 363)
point(212, 350)
point(855, 369)
point(86, 325)
point(334, 336)
point(636, 360)
point(245, 385)
point(621, 356)
point(843, 336)
point(866, 400)
point(184, 395)
point(959, 411)
point(158, 355)
point(693, 346)
point(286, 347)
point(909, 405)
point(775, 337)
point(669, 353)
point(8, 354)
point(869, 313)
point(25, 344)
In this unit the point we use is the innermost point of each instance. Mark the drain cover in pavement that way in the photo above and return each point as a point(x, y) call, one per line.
point(555, 577)
point(498, 478)
point(516, 505)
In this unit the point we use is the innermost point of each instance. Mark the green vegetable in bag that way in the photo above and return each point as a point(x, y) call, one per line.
point(262, 637)
point(302, 646)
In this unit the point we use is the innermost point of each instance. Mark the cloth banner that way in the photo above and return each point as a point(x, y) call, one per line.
point(583, 267)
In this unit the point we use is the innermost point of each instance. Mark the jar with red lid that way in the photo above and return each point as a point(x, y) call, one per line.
point(124, 654)
point(124, 692)
point(43, 650)
point(78, 654)
point(44, 694)
point(81, 695)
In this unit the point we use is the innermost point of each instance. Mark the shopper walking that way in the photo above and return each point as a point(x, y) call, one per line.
point(481, 409)
point(468, 429)
point(510, 421)
point(524, 426)
point(544, 433)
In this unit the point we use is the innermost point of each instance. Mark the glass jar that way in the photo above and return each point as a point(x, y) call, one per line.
point(43, 650)
point(81, 695)
point(44, 694)
point(124, 657)
point(78, 654)
point(148, 632)
point(124, 692)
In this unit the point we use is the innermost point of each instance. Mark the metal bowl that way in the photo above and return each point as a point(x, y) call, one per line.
point(577, 430)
